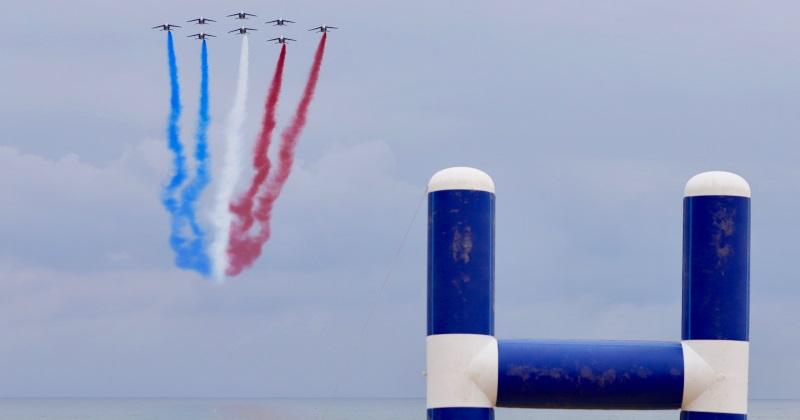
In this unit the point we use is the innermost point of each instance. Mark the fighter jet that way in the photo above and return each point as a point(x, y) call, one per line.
point(281, 40)
point(166, 27)
point(201, 21)
point(280, 22)
point(242, 30)
point(240, 15)
point(201, 35)
point(323, 28)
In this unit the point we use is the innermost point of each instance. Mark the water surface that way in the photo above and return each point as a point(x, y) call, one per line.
point(312, 409)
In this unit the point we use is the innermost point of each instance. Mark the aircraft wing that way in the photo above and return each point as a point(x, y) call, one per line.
point(272, 21)
point(193, 20)
point(290, 21)
point(156, 27)
point(210, 20)
point(314, 29)
point(230, 32)
point(249, 14)
point(290, 39)
point(273, 39)
point(232, 15)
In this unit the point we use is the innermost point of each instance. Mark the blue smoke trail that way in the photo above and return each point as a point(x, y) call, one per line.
point(168, 198)
point(193, 254)
point(190, 252)
point(173, 131)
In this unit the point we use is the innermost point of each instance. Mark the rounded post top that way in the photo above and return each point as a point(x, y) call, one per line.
point(717, 183)
point(461, 178)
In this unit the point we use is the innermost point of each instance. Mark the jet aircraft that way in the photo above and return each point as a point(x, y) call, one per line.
point(280, 22)
point(165, 27)
point(281, 40)
point(241, 15)
point(201, 35)
point(323, 28)
point(201, 21)
point(242, 30)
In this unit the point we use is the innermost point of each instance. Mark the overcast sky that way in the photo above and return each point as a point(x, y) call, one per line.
point(590, 116)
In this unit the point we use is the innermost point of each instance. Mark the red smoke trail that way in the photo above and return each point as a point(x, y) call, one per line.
point(243, 250)
point(242, 209)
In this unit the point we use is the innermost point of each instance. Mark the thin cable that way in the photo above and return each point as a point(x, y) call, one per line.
point(357, 342)
point(393, 263)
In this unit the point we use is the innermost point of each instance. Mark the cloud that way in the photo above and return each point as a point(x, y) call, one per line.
point(114, 297)
point(71, 214)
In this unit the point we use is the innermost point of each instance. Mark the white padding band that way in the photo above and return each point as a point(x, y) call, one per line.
point(715, 376)
point(462, 370)
point(461, 178)
point(717, 183)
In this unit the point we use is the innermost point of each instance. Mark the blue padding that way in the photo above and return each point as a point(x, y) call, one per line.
point(696, 415)
point(460, 414)
point(590, 374)
point(716, 264)
point(461, 262)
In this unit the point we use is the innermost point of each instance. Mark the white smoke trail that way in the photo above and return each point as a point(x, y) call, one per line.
point(231, 168)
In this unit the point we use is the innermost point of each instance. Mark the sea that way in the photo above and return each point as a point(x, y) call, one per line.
point(312, 409)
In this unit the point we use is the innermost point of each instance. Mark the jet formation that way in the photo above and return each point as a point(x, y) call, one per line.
point(241, 30)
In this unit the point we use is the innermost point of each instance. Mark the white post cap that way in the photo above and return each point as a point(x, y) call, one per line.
point(717, 183)
point(461, 178)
